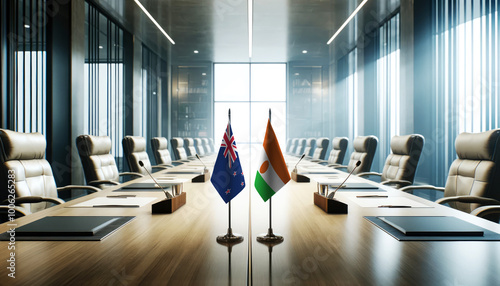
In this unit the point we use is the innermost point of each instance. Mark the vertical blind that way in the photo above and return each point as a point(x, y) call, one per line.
point(466, 42)
point(104, 85)
point(347, 87)
point(388, 91)
point(27, 65)
point(154, 79)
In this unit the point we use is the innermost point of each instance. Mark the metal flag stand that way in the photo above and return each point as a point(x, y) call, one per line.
point(229, 237)
point(270, 238)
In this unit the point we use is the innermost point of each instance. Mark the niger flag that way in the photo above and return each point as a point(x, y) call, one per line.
point(272, 174)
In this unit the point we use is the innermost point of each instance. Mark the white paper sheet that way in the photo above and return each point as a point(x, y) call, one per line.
point(376, 202)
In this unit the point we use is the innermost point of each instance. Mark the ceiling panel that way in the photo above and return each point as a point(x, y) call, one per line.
point(218, 28)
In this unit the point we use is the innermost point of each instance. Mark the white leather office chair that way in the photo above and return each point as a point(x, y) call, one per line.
point(22, 159)
point(474, 177)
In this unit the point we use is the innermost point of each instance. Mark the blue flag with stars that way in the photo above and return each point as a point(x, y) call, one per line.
point(227, 176)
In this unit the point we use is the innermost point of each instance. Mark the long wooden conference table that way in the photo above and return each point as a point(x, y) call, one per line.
point(318, 248)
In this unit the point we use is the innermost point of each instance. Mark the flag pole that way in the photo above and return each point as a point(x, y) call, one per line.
point(270, 238)
point(229, 238)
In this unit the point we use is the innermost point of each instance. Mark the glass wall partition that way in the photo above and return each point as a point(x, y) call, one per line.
point(27, 66)
point(466, 45)
point(103, 79)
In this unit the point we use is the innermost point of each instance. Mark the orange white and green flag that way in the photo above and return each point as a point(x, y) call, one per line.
point(272, 174)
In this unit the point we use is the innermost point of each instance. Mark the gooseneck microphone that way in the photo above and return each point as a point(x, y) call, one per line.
point(301, 157)
point(167, 194)
point(331, 195)
point(197, 156)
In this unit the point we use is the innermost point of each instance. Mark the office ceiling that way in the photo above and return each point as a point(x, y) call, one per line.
point(218, 29)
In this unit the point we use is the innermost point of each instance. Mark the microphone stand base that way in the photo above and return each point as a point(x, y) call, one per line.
point(201, 178)
point(300, 178)
point(168, 206)
point(330, 206)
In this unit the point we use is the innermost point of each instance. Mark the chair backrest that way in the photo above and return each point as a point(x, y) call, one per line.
point(97, 161)
point(295, 144)
point(198, 144)
point(160, 150)
point(22, 155)
point(206, 145)
point(339, 148)
point(212, 145)
point(402, 163)
point(310, 146)
point(321, 148)
point(178, 148)
point(189, 146)
point(301, 145)
point(364, 151)
point(476, 171)
point(134, 150)
point(288, 145)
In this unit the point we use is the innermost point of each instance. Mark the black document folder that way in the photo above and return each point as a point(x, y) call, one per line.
point(432, 226)
point(148, 186)
point(65, 226)
point(69, 228)
point(353, 186)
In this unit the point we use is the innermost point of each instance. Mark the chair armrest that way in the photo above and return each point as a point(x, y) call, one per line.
point(485, 211)
point(338, 166)
point(401, 183)
point(36, 199)
point(166, 165)
point(91, 189)
point(365, 174)
point(469, 199)
point(6, 211)
point(97, 183)
point(410, 189)
point(131, 174)
point(163, 167)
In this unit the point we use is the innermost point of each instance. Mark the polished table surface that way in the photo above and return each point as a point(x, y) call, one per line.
point(318, 248)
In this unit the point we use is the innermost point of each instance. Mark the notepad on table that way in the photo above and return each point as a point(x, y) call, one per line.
point(115, 202)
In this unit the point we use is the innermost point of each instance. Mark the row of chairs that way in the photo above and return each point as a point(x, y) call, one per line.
point(22, 158)
point(473, 183)
point(186, 148)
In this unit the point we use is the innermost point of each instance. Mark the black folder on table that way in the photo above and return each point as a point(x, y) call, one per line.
point(69, 228)
point(432, 226)
point(353, 186)
point(148, 186)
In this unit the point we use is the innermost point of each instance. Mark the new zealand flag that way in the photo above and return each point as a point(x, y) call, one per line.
point(227, 176)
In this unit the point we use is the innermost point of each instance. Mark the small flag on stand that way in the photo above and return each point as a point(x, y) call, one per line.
point(272, 174)
point(227, 176)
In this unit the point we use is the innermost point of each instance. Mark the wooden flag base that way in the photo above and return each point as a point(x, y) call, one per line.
point(299, 178)
point(331, 206)
point(168, 206)
point(202, 178)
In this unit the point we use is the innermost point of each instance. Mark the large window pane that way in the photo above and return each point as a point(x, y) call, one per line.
point(268, 82)
point(260, 115)
point(231, 82)
point(240, 121)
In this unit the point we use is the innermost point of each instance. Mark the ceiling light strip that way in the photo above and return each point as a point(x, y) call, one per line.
point(154, 21)
point(347, 21)
point(250, 27)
